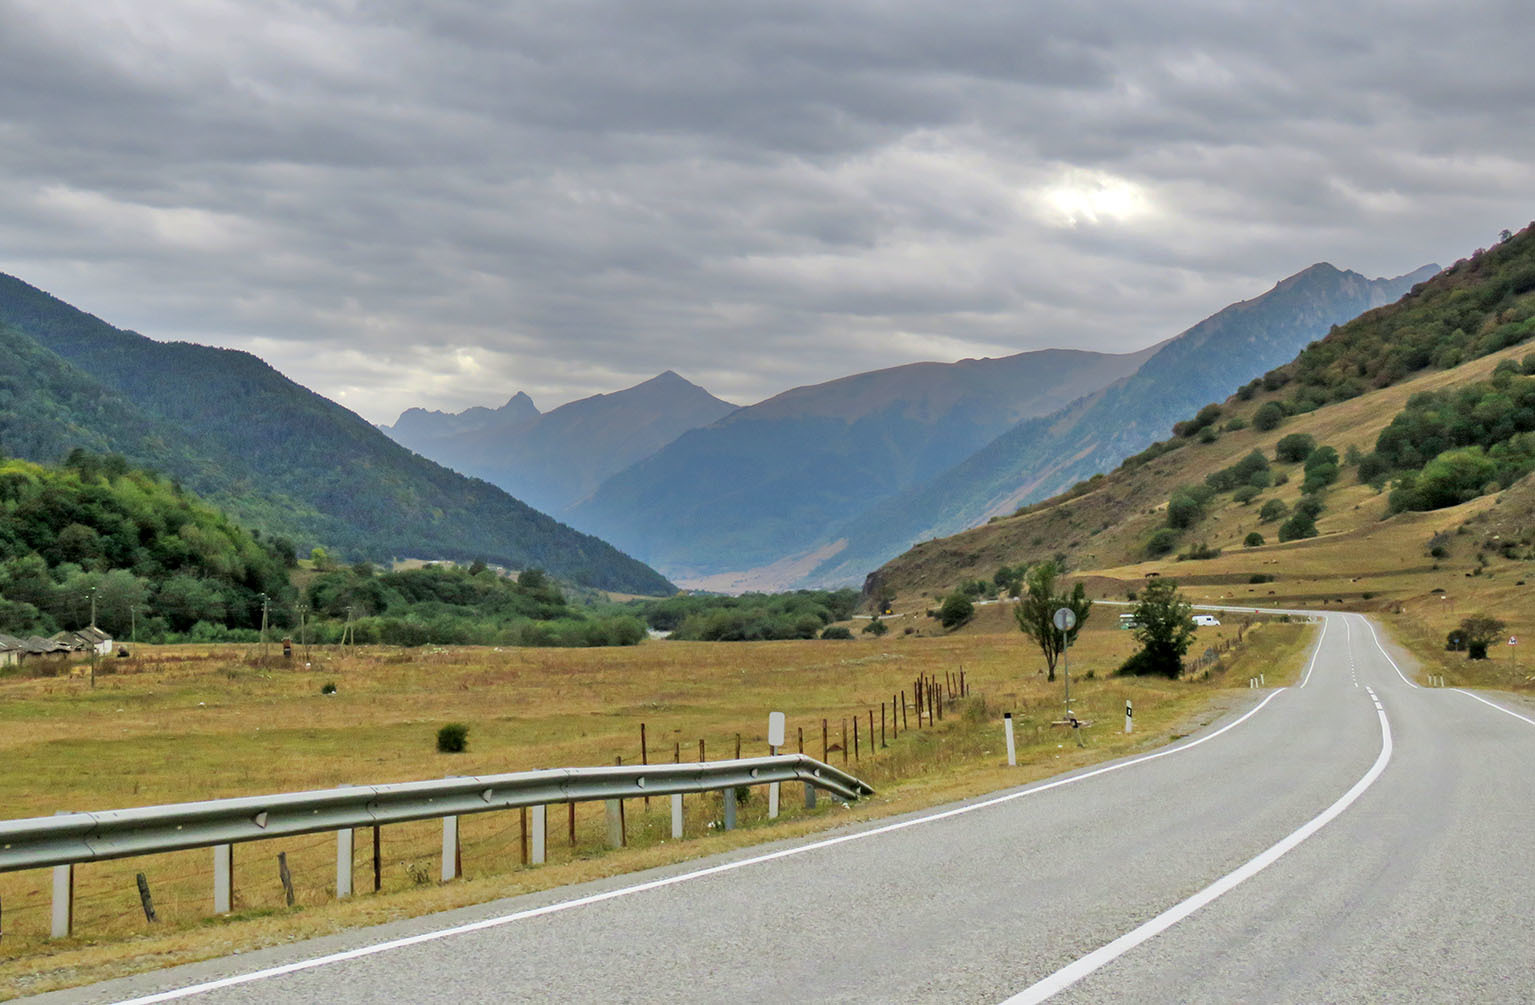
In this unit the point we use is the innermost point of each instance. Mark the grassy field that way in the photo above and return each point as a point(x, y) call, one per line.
point(182, 723)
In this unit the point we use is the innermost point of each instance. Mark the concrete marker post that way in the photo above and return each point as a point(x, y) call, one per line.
point(344, 839)
point(223, 878)
point(540, 826)
point(449, 848)
point(615, 825)
point(676, 816)
point(730, 808)
point(1012, 749)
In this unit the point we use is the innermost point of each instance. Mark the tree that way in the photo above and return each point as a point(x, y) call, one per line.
point(1300, 525)
point(956, 610)
point(1042, 596)
point(1164, 628)
point(1253, 540)
point(1295, 447)
point(1272, 510)
point(1268, 416)
point(1479, 632)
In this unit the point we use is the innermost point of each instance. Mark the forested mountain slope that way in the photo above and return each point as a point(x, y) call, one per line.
point(277, 455)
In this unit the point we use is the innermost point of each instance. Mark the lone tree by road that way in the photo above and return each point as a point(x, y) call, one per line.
point(1040, 599)
point(1479, 632)
point(1165, 629)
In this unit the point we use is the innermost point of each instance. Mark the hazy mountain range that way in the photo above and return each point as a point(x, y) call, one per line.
point(554, 460)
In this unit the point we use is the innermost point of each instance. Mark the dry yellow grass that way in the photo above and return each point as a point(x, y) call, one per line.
point(179, 724)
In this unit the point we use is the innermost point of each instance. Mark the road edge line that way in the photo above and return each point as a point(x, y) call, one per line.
point(1074, 972)
point(595, 898)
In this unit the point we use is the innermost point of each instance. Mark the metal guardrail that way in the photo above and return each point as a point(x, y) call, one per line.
point(73, 838)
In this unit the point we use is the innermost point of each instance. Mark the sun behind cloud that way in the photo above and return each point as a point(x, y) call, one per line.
point(1084, 196)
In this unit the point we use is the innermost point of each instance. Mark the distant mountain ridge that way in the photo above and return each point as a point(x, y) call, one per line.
point(555, 459)
point(1040, 457)
point(278, 456)
point(766, 480)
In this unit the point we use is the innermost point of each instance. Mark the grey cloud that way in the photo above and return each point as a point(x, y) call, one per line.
point(441, 203)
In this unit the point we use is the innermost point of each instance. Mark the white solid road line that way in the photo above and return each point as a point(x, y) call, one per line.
point(1318, 651)
point(656, 884)
point(1493, 704)
point(1070, 974)
point(1383, 652)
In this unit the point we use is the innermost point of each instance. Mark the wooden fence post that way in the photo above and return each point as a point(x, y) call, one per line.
point(146, 900)
point(287, 877)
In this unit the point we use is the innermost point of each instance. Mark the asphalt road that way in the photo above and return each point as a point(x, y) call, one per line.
point(1353, 838)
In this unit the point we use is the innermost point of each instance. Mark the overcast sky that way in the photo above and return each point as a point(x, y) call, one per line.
point(439, 203)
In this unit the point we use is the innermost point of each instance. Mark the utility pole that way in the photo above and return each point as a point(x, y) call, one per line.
point(303, 637)
point(92, 638)
point(133, 622)
point(263, 626)
point(348, 634)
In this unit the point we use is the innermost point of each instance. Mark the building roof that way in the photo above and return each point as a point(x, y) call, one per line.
point(9, 642)
point(36, 645)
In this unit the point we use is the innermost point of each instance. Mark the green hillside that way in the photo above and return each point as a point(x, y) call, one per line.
point(1350, 472)
point(273, 453)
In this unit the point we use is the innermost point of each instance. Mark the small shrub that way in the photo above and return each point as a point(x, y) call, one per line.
point(1246, 494)
point(328, 689)
point(1162, 542)
point(1299, 526)
point(836, 632)
point(876, 628)
point(453, 738)
point(956, 610)
point(1253, 540)
point(1272, 510)
point(1260, 577)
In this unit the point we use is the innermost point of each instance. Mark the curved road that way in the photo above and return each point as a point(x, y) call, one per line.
point(1352, 838)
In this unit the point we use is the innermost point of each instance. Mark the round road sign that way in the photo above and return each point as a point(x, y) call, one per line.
point(1065, 619)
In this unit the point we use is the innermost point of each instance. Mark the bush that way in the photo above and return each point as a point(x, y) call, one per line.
point(836, 632)
point(328, 689)
point(876, 628)
point(956, 610)
point(1253, 540)
point(1162, 542)
point(1246, 494)
point(1268, 416)
point(1272, 510)
point(1199, 552)
point(453, 738)
point(1295, 447)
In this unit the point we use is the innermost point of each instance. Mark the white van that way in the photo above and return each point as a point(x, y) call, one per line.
point(1206, 620)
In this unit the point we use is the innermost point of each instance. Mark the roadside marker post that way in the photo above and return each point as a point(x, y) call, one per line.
point(1065, 619)
point(1129, 714)
point(1012, 751)
point(776, 729)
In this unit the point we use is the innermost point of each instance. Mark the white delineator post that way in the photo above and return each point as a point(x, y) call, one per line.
point(1129, 714)
point(776, 727)
point(1012, 749)
point(677, 815)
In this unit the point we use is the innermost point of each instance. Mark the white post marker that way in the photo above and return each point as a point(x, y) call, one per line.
point(1012, 750)
point(676, 815)
point(1129, 714)
point(776, 727)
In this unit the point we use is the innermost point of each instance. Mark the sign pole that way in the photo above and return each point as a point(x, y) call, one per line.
point(1065, 619)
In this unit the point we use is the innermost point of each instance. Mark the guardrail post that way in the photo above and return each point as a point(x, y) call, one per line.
point(223, 878)
point(676, 815)
point(540, 833)
point(343, 863)
point(449, 848)
point(809, 796)
point(730, 808)
point(615, 825)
